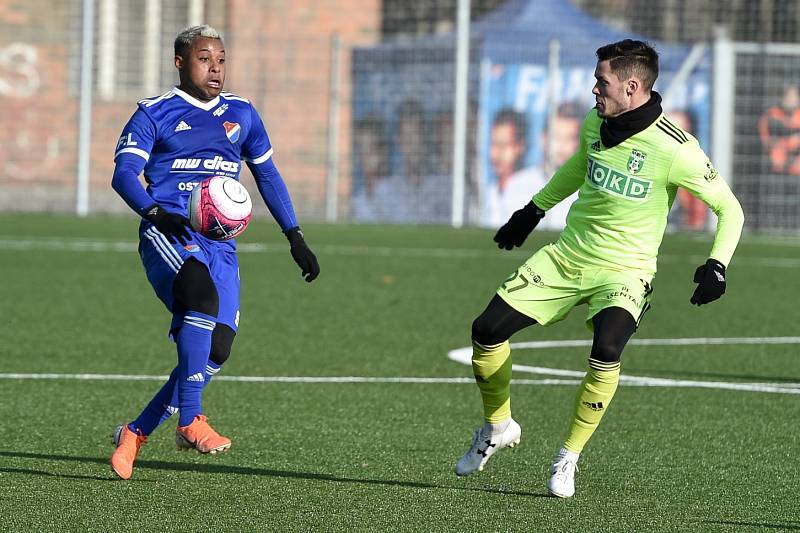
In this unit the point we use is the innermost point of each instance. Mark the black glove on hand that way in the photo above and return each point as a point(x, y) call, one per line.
point(711, 279)
point(519, 226)
point(172, 225)
point(302, 254)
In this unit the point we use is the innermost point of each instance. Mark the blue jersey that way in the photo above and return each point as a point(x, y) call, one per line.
point(178, 141)
point(183, 140)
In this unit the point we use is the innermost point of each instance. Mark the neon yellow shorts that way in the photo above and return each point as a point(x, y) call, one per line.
point(547, 286)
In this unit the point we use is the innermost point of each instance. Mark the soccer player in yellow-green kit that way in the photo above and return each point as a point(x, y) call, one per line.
point(630, 163)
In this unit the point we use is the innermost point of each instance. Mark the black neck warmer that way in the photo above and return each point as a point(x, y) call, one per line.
point(616, 129)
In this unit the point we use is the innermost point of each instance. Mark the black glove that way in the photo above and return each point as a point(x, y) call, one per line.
point(711, 279)
point(302, 254)
point(172, 225)
point(519, 226)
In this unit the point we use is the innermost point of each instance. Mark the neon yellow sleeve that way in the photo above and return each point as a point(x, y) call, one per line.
point(692, 170)
point(564, 182)
point(572, 174)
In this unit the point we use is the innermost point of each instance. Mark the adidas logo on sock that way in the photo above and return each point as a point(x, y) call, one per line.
point(182, 126)
point(196, 377)
point(171, 409)
point(594, 406)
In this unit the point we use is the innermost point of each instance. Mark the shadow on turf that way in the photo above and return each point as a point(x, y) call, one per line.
point(243, 470)
point(51, 474)
point(784, 526)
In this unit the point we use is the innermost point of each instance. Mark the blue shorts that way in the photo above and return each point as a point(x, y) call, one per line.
point(162, 260)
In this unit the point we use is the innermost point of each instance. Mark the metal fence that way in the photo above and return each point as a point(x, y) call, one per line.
point(403, 111)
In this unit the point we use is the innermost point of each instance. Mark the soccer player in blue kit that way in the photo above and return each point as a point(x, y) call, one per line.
point(179, 138)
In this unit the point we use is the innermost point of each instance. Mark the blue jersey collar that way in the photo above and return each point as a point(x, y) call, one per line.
point(205, 106)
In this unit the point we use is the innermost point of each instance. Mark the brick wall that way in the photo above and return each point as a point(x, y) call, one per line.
point(37, 132)
point(288, 44)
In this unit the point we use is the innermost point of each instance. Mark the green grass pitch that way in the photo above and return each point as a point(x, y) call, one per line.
point(379, 456)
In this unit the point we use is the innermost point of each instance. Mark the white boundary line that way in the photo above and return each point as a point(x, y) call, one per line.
point(464, 356)
point(86, 245)
point(276, 379)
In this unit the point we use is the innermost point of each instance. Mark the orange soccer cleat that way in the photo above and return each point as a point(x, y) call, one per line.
point(128, 444)
point(200, 436)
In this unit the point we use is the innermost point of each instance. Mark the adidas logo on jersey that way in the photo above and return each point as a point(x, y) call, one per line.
point(182, 126)
point(196, 377)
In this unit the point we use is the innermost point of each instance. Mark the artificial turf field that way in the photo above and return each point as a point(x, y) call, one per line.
point(378, 455)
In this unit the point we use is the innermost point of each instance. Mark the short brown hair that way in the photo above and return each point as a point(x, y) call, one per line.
point(630, 58)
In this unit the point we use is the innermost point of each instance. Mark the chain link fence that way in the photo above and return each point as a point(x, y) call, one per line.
point(359, 98)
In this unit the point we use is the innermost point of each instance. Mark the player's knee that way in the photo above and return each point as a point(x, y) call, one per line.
point(206, 303)
point(498, 322)
point(606, 351)
point(220, 352)
point(221, 343)
point(194, 289)
point(487, 331)
point(613, 327)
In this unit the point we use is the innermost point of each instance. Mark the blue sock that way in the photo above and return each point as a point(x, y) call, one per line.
point(165, 403)
point(160, 408)
point(194, 345)
point(211, 370)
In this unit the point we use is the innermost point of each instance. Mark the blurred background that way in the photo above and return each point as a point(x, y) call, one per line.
point(416, 111)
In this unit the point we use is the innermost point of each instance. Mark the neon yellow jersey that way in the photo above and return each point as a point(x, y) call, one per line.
point(625, 193)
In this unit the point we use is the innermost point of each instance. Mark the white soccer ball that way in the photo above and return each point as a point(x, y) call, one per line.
point(220, 208)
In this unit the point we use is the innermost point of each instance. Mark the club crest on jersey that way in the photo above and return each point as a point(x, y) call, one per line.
point(232, 130)
point(191, 248)
point(711, 172)
point(636, 161)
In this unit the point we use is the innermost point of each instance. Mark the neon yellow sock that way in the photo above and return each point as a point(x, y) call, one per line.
point(492, 368)
point(593, 398)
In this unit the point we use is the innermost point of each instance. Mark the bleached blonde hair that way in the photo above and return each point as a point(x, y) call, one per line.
point(184, 40)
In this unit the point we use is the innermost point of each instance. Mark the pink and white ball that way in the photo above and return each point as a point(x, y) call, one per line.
point(220, 208)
